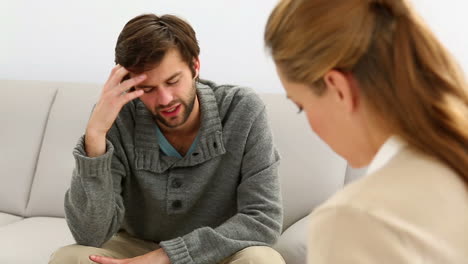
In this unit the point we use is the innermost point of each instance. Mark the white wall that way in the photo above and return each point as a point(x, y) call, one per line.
point(74, 40)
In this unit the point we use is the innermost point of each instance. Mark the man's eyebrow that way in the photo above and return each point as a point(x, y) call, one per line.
point(173, 76)
point(145, 86)
point(167, 80)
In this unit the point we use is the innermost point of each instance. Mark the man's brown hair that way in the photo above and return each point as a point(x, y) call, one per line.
point(146, 39)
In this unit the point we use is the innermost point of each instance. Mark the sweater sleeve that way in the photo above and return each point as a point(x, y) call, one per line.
point(93, 204)
point(258, 221)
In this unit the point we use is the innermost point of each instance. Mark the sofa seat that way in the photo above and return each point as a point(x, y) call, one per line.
point(32, 240)
point(6, 219)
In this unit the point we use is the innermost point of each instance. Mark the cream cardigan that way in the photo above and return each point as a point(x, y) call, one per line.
point(413, 209)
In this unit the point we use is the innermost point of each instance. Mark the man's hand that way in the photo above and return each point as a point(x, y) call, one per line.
point(113, 97)
point(153, 257)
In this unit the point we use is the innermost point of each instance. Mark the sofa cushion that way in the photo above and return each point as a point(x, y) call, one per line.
point(25, 106)
point(292, 244)
point(310, 172)
point(67, 122)
point(6, 219)
point(33, 240)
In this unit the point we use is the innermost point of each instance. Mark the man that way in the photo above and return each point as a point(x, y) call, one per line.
point(172, 169)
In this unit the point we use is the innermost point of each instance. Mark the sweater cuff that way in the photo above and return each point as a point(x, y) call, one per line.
point(177, 251)
point(92, 167)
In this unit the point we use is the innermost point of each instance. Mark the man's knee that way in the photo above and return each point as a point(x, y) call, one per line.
point(257, 255)
point(72, 254)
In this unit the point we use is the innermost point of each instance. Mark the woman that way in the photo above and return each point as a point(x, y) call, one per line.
point(381, 90)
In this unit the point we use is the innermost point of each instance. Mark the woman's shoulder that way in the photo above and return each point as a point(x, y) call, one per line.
point(408, 176)
point(412, 198)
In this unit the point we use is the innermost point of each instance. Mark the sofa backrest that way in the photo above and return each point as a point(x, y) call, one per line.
point(42, 121)
point(310, 171)
point(67, 121)
point(23, 115)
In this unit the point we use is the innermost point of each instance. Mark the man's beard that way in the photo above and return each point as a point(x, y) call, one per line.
point(187, 106)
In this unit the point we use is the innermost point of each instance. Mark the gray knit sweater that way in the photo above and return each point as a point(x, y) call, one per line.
point(202, 208)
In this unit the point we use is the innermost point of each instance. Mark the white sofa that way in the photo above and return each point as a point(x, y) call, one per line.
point(40, 124)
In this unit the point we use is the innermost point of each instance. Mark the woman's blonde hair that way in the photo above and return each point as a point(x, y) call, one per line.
point(403, 71)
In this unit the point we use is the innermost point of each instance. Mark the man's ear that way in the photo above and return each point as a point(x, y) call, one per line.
point(343, 89)
point(196, 67)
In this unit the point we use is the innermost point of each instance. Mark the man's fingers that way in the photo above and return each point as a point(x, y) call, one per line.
point(127, 84)
point(117, 77)
point(106, 260)
point(132, 95)
point(113, 71)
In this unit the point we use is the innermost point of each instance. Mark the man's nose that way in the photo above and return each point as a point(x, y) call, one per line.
point(164, 96)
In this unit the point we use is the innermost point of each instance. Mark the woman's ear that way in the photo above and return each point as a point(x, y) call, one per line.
point(343, 89)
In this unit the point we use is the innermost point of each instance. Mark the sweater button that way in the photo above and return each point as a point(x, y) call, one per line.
point(177, 204)
point(176, 184)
